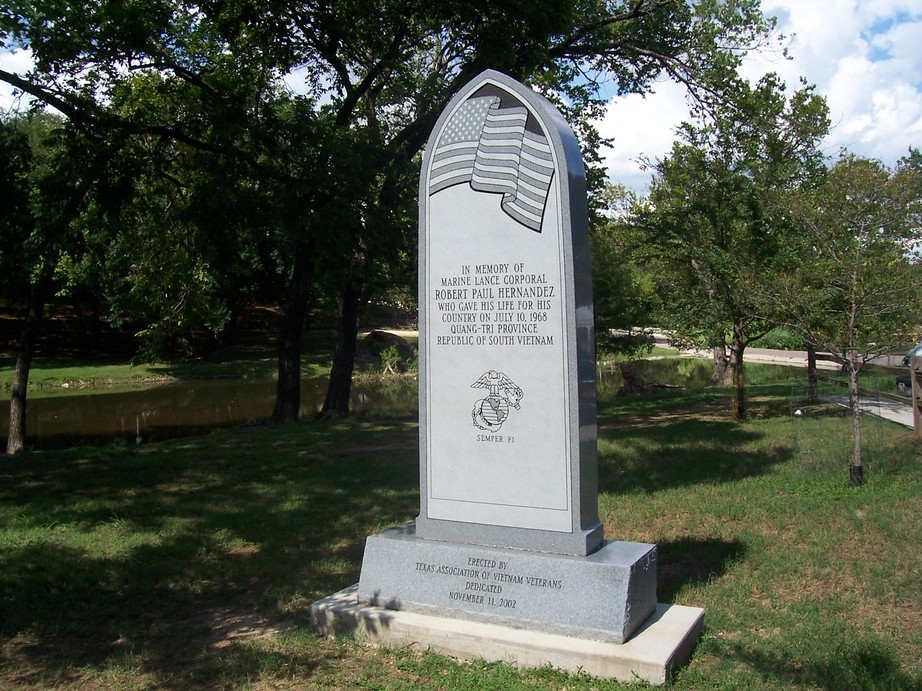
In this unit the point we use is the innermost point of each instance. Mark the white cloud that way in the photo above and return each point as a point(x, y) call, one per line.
point(641, 127)
point(863, 57)
point(18, 62)
point(901, 42)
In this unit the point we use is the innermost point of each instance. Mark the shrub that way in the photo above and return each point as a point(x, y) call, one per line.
point(779, 339)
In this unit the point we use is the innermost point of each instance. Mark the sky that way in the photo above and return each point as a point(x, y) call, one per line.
point(864, 56)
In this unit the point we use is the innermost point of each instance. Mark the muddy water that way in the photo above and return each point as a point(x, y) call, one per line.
point(185, 408)
point(197, 407)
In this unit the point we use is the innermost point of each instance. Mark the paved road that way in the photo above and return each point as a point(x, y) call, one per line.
point(796, 358)
point(883, 408)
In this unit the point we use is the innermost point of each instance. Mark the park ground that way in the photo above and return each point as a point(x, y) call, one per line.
point(191, 563)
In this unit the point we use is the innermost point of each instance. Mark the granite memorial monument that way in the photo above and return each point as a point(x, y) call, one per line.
point(508, 532)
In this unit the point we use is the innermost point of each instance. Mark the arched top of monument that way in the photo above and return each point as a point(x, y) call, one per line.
point(500, 137)
point(543, 116)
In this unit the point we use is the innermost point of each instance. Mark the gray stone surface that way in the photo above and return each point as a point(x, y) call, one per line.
point(605, 596)
point(508, 532)
point(507, 362)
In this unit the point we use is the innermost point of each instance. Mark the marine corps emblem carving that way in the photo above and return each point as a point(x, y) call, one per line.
point(491, 412)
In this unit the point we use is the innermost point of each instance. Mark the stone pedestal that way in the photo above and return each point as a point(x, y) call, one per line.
point(605, 596)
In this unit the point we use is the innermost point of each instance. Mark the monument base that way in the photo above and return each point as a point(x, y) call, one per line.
point(663, 643)
point(604, 596)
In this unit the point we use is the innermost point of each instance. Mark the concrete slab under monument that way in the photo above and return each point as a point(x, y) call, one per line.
point(660, 646)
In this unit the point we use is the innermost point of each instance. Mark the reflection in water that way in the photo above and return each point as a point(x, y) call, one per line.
point(185, 408)
point(691, 373)
point(197, 407)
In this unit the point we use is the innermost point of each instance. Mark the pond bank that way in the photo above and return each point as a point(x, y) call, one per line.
point(198, 406)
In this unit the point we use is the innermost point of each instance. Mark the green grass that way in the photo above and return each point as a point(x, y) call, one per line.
point(609, 358)
point(141, 568)
point(66, 374)
point(807, 582)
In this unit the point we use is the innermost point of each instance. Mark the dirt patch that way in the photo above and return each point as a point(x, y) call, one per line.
point(698, 412)
point(230, 624)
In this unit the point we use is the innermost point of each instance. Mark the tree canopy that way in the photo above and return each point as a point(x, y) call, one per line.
point(714, 222)
point(862, 291)
point(321, 174)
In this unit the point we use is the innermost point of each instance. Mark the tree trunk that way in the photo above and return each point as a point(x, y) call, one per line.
point(16, 438)
point(854, 403)
point(915, 388)
point(291, 333)
point(812, 379)
point(352, 298)
point(339, 389)
point(737, 346)
point(721, 373)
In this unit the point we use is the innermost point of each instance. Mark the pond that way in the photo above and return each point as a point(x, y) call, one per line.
point(186, 408)
point(197, 407)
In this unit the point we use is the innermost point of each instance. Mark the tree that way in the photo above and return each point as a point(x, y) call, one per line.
point(53, 180)
point(625, 298)
point(376, 76)
point(171, 245)
point(713, 219)
point(554, 46)
point(856, 291)
point(16, 159)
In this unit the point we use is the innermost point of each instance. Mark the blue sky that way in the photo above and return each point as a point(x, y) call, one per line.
point(864, 56)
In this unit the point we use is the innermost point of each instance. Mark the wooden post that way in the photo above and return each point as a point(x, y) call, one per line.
point(915, 373)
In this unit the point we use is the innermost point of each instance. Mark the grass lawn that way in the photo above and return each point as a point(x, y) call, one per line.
point(190, 564)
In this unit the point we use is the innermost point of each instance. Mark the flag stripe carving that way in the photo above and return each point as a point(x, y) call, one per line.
point(489, 148)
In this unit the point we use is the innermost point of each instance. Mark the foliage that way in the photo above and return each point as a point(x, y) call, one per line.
point(66, 168)
point(624, 292)
point(713, 225)
point(393, 362)
point(862, 293)
point(780, 339)
point(15, 217)
point(33, 153)
point(211, 72)
point(200, 89)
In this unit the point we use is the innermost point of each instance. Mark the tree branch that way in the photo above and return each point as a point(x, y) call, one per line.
point(637, 10)
point(47, 96)
point(82, 114)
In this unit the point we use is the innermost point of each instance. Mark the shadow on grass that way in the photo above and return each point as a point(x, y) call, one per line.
point(787, 393)
point(679, 452)
point(113, 555)
point(692, 561)
point(860, 663)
